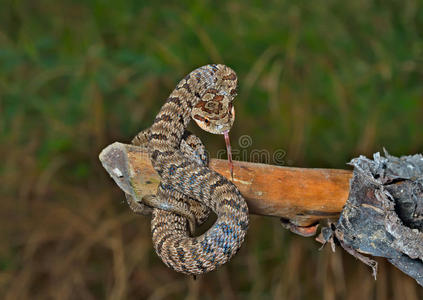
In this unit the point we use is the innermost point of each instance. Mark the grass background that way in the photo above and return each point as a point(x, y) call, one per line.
point(323, 80)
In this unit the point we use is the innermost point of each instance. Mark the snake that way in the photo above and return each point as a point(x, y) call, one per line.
point(189, 189)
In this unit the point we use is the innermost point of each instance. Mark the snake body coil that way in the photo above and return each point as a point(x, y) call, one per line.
point(209, 89)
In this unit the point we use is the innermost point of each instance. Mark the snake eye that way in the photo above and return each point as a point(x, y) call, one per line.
point(206, 121)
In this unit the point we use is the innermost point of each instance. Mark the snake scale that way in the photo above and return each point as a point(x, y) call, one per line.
point(188, 188)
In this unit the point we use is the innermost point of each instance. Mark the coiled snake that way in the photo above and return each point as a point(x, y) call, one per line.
point(189, 188)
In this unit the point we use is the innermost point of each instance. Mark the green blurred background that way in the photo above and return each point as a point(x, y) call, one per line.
point(323, 80)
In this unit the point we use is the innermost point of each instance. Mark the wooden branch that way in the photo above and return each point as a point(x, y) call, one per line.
point(301, 195)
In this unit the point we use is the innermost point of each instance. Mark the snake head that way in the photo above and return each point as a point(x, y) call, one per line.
point(214, 116)
point(214, 111)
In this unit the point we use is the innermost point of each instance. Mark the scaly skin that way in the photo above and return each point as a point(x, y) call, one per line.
point(206, 95)
point(193, 211)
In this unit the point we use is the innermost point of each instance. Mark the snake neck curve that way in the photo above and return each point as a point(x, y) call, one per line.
point(174, 116)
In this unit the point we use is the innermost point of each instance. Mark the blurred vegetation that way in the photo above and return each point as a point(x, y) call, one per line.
point(323, 80)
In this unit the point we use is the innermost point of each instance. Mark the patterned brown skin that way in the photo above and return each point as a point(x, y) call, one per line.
point(206, 95)
point(193, 211)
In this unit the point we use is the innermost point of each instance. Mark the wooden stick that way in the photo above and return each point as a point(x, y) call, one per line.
point(301, 195)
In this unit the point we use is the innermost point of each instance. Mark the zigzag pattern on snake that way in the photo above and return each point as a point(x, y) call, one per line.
point(205, 95)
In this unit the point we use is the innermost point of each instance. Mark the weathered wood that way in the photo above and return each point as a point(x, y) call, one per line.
point(298, 194)
point(383, 216)
point(301, 195)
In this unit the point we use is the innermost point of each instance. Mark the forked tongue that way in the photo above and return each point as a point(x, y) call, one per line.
point(228, 150)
